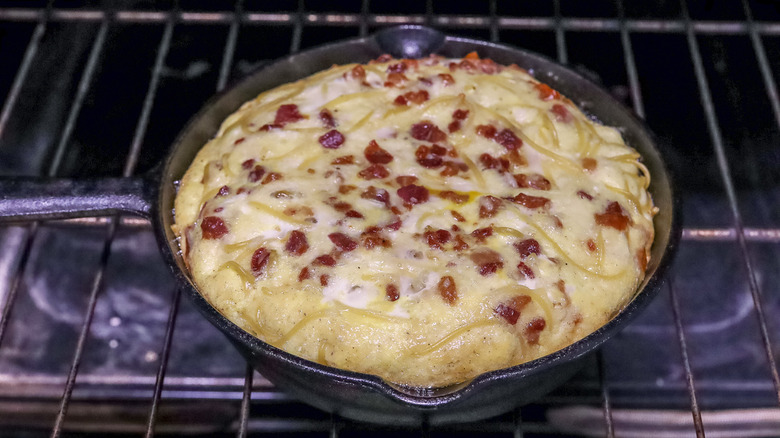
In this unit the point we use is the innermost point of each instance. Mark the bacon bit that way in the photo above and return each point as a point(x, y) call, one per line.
point(482, 233)
point(526, 271)
point(395, 225)
point(425, 81)
point(488, 206)
point(527, 247)
point(458, 217)
point(405, 180)
point(373, 241)
point(259, 260)
point(396, 68)
point(395, 79)
point(354, 214)
point(561, 286)
point(256, 173)
point(218, 209)
point(358, 72)
point(287, 114)
point(487, 260)
point(269, 127)
point(460, 114)
point(374, 171)
point(401, 101)
point(584, 195)
point(561, 113)
point(435, 239)
point(325, 260)
point(447, 290)
point(305, 274)
point(546, 93)
point(376, 194)
point(311, 171)
point(589, 164)
point(532, 181)
point(344, 189)
point(239, 141)
point(533, 329)
point(242, 190)
point(446, 79)
point(223, 191)
point(454, 126)
point(487, 131)
point(213, 227)
point(324, 279)
point(382, 59)
point(346, 159)
point(246, 165)
point(415, 97)
point(327, 119)
point(472, 56)
point(342, 241)
point(591, 245)
point(426, 158)
point(413, 194)
point(375, 154)
point(514, 157)
point(451, 168)
point(510, 310)
point(331, 139)
point(391, 292)
point(641, 259)
point(508, 139)
point(614, 216)
point(490, 162)
point(271, 177)
point(339, 206)
point(438, 150)
point(297, 243)
point(427, 131)
point(458, 198)
point(460, 244)
point(531, 201)
point(454, 228)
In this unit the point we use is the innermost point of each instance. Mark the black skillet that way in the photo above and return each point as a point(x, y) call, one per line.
point(355, 395)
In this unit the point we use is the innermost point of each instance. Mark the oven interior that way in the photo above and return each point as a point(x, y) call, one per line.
point(95, 340)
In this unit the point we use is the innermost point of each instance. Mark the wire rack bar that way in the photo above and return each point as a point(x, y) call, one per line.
point(246, 399)
point(560, 37)
point(723, 166)
point(166, 351)
point(763, 63)
point(230, 48)
point(695, 411)
point(81, 93)
point(97, 284)
point(494, 34)
point(347, 19)
point(297, 20)
point(24, 68)
point(363, 24)
point(146, 110)
point(606, 404)
point(628, 55)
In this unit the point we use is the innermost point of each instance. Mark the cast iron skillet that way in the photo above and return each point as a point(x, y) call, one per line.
point(350, 394)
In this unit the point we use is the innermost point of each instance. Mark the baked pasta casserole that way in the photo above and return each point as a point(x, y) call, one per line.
point(424, 220)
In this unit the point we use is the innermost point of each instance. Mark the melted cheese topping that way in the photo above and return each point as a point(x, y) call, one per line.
point(425, 221)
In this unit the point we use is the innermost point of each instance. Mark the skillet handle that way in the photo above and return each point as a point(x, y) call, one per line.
point(29, 198)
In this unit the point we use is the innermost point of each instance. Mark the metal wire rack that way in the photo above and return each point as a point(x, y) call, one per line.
point(668, 60)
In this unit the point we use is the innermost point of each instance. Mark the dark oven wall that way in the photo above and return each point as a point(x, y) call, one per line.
point(92, 321)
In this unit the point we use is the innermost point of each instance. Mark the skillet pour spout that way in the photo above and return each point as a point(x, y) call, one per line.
point(350, 394)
